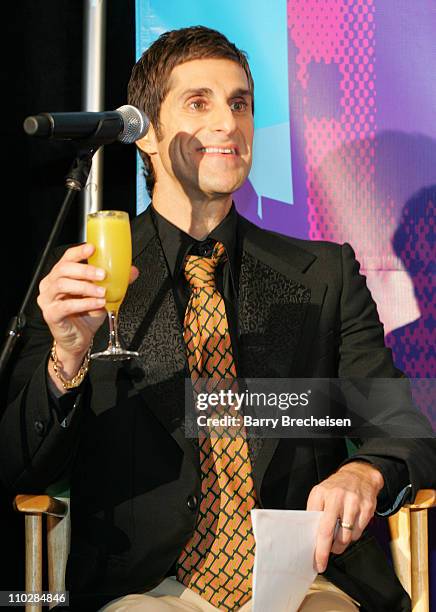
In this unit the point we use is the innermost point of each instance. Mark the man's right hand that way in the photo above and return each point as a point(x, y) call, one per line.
point(73, 307)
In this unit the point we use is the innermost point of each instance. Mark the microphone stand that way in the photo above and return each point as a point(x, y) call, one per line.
point(75, 181)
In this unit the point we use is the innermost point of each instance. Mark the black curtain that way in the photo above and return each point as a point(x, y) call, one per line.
point(42, 72)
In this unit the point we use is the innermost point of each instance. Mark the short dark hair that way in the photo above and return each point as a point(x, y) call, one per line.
point(149, 81)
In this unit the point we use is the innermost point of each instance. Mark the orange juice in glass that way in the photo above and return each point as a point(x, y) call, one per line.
point(109, 232)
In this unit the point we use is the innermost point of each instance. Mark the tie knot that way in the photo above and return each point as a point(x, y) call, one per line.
point(200, 271)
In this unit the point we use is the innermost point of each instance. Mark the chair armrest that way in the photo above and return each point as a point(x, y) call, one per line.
point(40, 504)
point(409, 546)
point(34, 507)
point(425, 498)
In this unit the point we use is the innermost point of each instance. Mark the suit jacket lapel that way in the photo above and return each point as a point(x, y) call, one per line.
point(149, 323)
point(278, 314)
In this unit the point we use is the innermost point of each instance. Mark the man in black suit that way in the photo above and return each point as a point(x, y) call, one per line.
point(294, 308)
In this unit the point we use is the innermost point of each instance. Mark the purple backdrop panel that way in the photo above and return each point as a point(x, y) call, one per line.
point(355, 182)
point(332, 99)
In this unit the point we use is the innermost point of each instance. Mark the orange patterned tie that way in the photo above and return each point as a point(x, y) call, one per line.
point(218, 561)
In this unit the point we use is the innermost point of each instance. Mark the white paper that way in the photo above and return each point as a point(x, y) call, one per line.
point(284, 559)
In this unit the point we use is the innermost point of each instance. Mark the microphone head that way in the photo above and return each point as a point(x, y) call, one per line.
point(136, 124)
point(38, 125)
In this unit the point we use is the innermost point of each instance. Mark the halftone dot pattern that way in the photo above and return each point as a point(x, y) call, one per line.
point(414, 344)
point(334, 45)
point(340, 150)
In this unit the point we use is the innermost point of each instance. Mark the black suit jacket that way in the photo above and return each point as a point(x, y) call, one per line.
point(303, 310)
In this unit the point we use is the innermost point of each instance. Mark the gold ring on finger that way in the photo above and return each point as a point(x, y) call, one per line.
point(349, 526)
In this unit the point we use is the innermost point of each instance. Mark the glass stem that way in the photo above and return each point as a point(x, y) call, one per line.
point(113, 330)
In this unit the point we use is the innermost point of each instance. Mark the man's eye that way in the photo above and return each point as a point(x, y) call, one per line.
point(239, 106)
point(197, 104)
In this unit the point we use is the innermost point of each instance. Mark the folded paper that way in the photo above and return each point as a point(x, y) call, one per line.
point(284, 560)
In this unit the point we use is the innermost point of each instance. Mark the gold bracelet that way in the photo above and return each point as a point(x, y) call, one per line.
point(78, 378)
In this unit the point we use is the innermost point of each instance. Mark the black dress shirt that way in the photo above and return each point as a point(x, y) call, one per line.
point(176, 245)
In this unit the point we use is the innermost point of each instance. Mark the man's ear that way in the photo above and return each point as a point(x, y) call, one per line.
point(148, 143)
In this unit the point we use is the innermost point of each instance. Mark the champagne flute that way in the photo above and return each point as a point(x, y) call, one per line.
point(109, 232)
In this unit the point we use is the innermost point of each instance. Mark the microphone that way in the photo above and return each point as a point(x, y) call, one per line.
point(126, 124)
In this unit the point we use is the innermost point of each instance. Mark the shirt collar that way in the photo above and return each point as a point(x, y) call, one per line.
point(176, 243)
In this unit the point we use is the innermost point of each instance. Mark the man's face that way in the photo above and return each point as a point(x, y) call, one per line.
point(206, 130)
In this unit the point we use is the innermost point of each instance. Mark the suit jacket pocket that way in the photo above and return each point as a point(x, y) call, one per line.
point(364, 573)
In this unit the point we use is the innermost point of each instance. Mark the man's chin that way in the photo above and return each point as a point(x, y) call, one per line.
point(221, 188)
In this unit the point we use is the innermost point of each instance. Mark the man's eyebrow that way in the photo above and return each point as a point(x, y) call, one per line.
point(206, 91)
point(200, 91)
point(241, 92)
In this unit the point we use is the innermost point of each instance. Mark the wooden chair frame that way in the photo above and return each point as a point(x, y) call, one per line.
point(56, 511)
point(408, 529)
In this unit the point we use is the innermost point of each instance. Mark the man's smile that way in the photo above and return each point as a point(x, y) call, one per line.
point(232, 150)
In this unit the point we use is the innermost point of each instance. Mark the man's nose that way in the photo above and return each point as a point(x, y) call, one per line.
point(223, 119)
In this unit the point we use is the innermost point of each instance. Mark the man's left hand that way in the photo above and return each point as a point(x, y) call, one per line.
point(350, 495)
